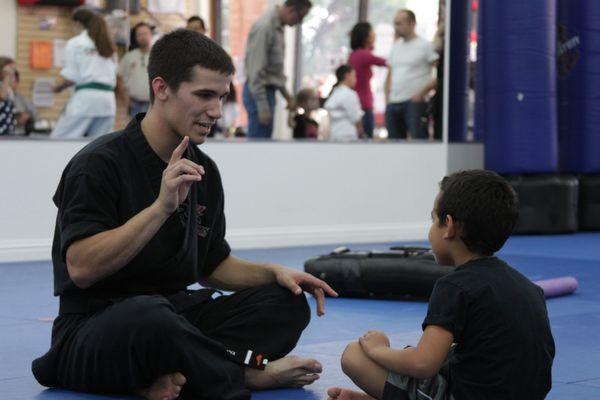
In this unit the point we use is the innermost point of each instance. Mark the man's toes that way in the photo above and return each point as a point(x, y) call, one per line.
point(310, 365)
point(178, 379)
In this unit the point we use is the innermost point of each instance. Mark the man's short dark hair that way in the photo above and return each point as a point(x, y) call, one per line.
point(483, 204)
point(174, 56)
point(410, 15)
point(358, 36)
point(298, 4)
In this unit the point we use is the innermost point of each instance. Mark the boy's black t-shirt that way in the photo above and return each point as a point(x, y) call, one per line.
point(504, 346)
point(111, 180)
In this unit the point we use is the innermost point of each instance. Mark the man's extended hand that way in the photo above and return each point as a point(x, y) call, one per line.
point(177, 179)
point(297, 281)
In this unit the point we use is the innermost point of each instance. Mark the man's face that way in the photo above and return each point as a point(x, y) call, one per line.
point(143, 35)
point(195, 107)
point(196, 26)
point(293, 16)
point(402, 25)
point(439, 245)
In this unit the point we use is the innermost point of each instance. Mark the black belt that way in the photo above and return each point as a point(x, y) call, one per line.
point(82, 305)
point(181, 300)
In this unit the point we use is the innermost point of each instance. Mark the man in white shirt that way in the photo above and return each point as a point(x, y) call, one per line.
point(409, 80)
point(133, 72)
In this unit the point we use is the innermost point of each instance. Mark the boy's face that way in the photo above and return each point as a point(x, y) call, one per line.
point(194, 108)
point(437, 238)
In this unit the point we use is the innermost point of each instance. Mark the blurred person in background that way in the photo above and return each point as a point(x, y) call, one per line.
point(7, 108)
point(195, 23)
point(343, 106)
point(91, 67)
point(265, 53)
point(301, 121)
point(362, 42)
point(133, 83)
point(409, 80)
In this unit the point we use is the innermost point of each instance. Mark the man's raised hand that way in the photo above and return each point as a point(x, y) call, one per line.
point(177, 179)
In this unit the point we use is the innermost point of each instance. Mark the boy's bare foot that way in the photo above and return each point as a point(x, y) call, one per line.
point(167, 387)
point(290, 371)
point(336, 393)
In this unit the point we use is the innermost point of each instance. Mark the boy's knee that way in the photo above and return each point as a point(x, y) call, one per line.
point(351, 358)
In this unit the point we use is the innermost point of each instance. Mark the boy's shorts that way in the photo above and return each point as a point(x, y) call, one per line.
point(402, 387)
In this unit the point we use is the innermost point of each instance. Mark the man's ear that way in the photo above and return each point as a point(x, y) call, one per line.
point(160, 88)
point(451, 227)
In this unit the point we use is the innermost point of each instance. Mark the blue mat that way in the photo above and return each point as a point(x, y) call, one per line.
point(27, 303)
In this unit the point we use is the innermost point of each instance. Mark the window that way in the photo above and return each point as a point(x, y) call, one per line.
point(325, 42)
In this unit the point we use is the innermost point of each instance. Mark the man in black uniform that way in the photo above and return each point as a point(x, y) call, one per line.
point(140, 218)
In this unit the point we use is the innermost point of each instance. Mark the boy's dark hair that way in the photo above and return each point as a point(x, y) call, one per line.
point(483, 204)
point(197, 18)
point(174, 56)
point(359, 35)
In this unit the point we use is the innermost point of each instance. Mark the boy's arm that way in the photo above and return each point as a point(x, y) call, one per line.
point(422, 361)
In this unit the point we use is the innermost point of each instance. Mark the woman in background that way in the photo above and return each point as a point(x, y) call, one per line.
point(362, 42)
point(7, 108)
point(91, 66)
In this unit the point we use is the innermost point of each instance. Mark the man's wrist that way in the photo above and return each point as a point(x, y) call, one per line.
point(157, 211)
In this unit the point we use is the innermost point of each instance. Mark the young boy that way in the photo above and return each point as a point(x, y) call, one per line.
point(486, 334)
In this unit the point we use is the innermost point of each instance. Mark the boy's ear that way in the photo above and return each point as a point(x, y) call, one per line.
point(451, 227)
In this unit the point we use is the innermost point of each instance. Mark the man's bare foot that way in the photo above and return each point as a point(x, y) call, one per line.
point(167, 387)
point(336, 393)
point(290, 371)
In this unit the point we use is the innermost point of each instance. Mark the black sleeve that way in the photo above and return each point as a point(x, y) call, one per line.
point(447, 308)
point(87, 205)
point(218, 249)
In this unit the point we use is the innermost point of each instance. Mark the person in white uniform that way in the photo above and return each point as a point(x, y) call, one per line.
point(90, 66)
point(343, 106)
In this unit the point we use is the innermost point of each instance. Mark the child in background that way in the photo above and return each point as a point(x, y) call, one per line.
point(303, 125)
point(343, 106)
point(486, 334)
point(7, 108)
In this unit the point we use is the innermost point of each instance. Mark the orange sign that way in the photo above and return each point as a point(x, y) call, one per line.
point(41, 54)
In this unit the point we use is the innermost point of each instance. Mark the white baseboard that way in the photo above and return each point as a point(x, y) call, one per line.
point(25, 250)
point(320, 234)
point(40, 249)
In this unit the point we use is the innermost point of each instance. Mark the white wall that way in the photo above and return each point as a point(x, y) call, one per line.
point(277, 193)
point(8, 42)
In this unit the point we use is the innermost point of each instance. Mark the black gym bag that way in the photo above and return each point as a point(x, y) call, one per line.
point(399, 271)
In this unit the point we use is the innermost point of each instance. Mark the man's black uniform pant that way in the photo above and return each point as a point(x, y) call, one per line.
point(128, 344)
